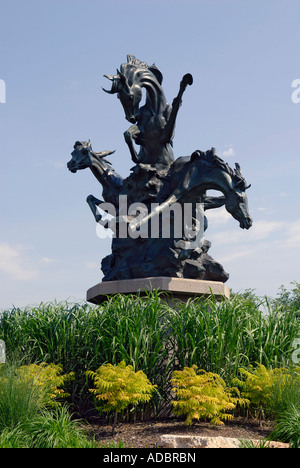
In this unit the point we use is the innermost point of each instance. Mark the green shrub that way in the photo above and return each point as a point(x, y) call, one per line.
point(119, 387)
point(201, 395)
point(81, 337)
point(217, 336)
point(24, 392)
point(268, 390)
point(289, 299)
point(286, 392)
point(47, 379)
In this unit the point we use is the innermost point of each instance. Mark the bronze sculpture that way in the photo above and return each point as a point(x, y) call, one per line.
point(157, 184)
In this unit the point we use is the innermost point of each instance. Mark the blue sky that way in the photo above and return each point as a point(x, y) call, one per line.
point(243, 55)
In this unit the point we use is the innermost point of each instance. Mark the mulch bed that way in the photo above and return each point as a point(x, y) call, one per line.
point(146, 434)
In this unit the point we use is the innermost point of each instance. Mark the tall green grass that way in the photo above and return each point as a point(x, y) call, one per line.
point(218, 336)
point(286, 409)
point(26, 423)
point(83, 337)
point(57, 429)
point(287, 428)
point(18, 402)
point(223, 336)
point(48, 429)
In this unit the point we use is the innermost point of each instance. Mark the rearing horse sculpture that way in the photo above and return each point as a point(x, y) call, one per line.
point(187, 181)
point(83, 157)
point(157, 182)
point(155, 121)
point(190, 177)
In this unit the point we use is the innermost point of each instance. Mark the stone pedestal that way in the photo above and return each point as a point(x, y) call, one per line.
point(175, 288)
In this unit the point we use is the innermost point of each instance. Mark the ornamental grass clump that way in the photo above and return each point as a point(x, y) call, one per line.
point(58, 429)
point(24, 392)
point(287, 428)
point(119, 387)
point(202, 395)
point(18, 400)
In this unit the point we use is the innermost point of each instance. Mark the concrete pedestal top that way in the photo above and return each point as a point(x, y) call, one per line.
point(179, 288)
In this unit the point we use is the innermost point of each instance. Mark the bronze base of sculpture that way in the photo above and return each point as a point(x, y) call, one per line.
point(174, 288)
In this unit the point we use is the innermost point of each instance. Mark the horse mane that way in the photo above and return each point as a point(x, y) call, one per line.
point(214, 160)
point(133, 65)
point(98, 155)
point(132, 60)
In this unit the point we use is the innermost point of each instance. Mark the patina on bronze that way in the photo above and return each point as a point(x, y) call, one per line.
point(157, 178)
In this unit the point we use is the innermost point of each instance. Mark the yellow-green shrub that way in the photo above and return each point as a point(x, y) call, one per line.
point(47, 379)
point(263, 387)
point(119, 386)
point(201, 395)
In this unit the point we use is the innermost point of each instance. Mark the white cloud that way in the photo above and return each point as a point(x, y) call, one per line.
point(236, 256)
point(263, 229)
point(219, 216)
point(293, 235)
point(47, 260)
point(259, 231)
point(13, 262)
point(230, 152)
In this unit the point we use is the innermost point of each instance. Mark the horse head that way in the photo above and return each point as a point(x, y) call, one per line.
point(237, 202)
point(82, 156)
point(128, 82)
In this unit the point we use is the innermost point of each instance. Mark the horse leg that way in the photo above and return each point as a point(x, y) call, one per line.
point(93, 203)
point(170, 126)
point(131, 133)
